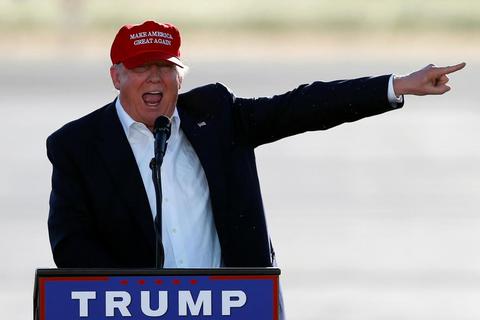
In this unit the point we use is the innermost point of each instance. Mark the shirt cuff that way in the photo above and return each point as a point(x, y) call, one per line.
point(392, 97)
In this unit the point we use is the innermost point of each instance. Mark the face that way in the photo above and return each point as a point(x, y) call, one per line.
point(147, 91)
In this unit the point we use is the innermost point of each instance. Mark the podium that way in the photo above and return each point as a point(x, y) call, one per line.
point(225, 293)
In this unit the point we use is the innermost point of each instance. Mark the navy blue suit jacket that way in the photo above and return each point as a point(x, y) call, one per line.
point(99, 213)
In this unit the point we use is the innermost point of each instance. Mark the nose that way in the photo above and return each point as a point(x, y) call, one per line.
point(155, 74)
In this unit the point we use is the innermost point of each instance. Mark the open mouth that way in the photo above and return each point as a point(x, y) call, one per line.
point(152, 98)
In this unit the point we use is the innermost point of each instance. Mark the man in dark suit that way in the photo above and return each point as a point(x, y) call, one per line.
point(102, 204)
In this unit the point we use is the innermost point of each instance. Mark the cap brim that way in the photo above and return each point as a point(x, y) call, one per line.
point(149, 57)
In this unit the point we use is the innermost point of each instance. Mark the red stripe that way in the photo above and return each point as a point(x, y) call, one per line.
point(243, 277)
point(42, 299)
point(275, 298)
point(48, 279)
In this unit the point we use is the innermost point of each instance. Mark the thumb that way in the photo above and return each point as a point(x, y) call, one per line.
point(439, 89)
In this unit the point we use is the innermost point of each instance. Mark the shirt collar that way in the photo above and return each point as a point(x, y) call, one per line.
point(124, 117)
point(175, 123)
point(127, 121)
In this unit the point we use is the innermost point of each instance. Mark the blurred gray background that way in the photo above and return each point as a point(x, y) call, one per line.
point(376, 219)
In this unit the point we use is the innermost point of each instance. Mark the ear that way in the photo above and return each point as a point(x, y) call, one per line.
point(180, 79)
point(115, 75)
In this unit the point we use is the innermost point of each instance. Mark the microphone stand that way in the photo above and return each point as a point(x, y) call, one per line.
point(161, 133)
point(157, 182)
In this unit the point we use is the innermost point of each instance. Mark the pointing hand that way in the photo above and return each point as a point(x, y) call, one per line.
point(429, 80)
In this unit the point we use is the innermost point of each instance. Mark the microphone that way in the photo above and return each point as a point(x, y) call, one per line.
point(161, 133)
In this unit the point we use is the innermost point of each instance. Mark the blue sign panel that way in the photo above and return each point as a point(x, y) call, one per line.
point(159, 297)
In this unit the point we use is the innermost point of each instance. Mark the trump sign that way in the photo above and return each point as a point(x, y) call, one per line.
point(157, 296)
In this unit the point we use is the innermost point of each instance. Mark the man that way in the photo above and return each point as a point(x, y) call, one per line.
point(102, 204)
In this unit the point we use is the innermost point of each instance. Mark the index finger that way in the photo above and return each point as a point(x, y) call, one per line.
point(450, 69)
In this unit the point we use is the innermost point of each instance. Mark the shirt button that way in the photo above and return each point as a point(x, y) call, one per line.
point(166, 199)
point(180, 262)
point(174, 230)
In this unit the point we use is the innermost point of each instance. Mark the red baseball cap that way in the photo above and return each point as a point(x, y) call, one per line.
point(135, 45)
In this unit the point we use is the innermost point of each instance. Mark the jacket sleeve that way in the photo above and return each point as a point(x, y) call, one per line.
point(73, 235)
point(316, 106)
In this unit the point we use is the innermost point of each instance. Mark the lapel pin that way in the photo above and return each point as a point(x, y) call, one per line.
point(201, 124)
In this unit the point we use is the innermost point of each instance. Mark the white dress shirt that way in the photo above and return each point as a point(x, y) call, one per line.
point(189, 235)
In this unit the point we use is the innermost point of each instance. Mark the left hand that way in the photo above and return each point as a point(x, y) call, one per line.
point(429, 80)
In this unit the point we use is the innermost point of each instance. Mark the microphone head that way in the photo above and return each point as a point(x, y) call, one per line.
point(162, 123)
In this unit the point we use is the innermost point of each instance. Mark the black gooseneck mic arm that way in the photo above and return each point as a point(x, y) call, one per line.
point(161, 132)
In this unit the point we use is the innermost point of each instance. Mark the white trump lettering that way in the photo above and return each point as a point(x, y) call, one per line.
point(83, 297)
point(117, 303)
point(232, 299)
point(185, 301)
point(162, 304)
point(117, 300)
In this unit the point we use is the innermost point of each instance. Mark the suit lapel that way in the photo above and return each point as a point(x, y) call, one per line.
point(119, 160)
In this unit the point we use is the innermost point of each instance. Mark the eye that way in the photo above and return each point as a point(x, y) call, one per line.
point(140, 69)
point(168, 69)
